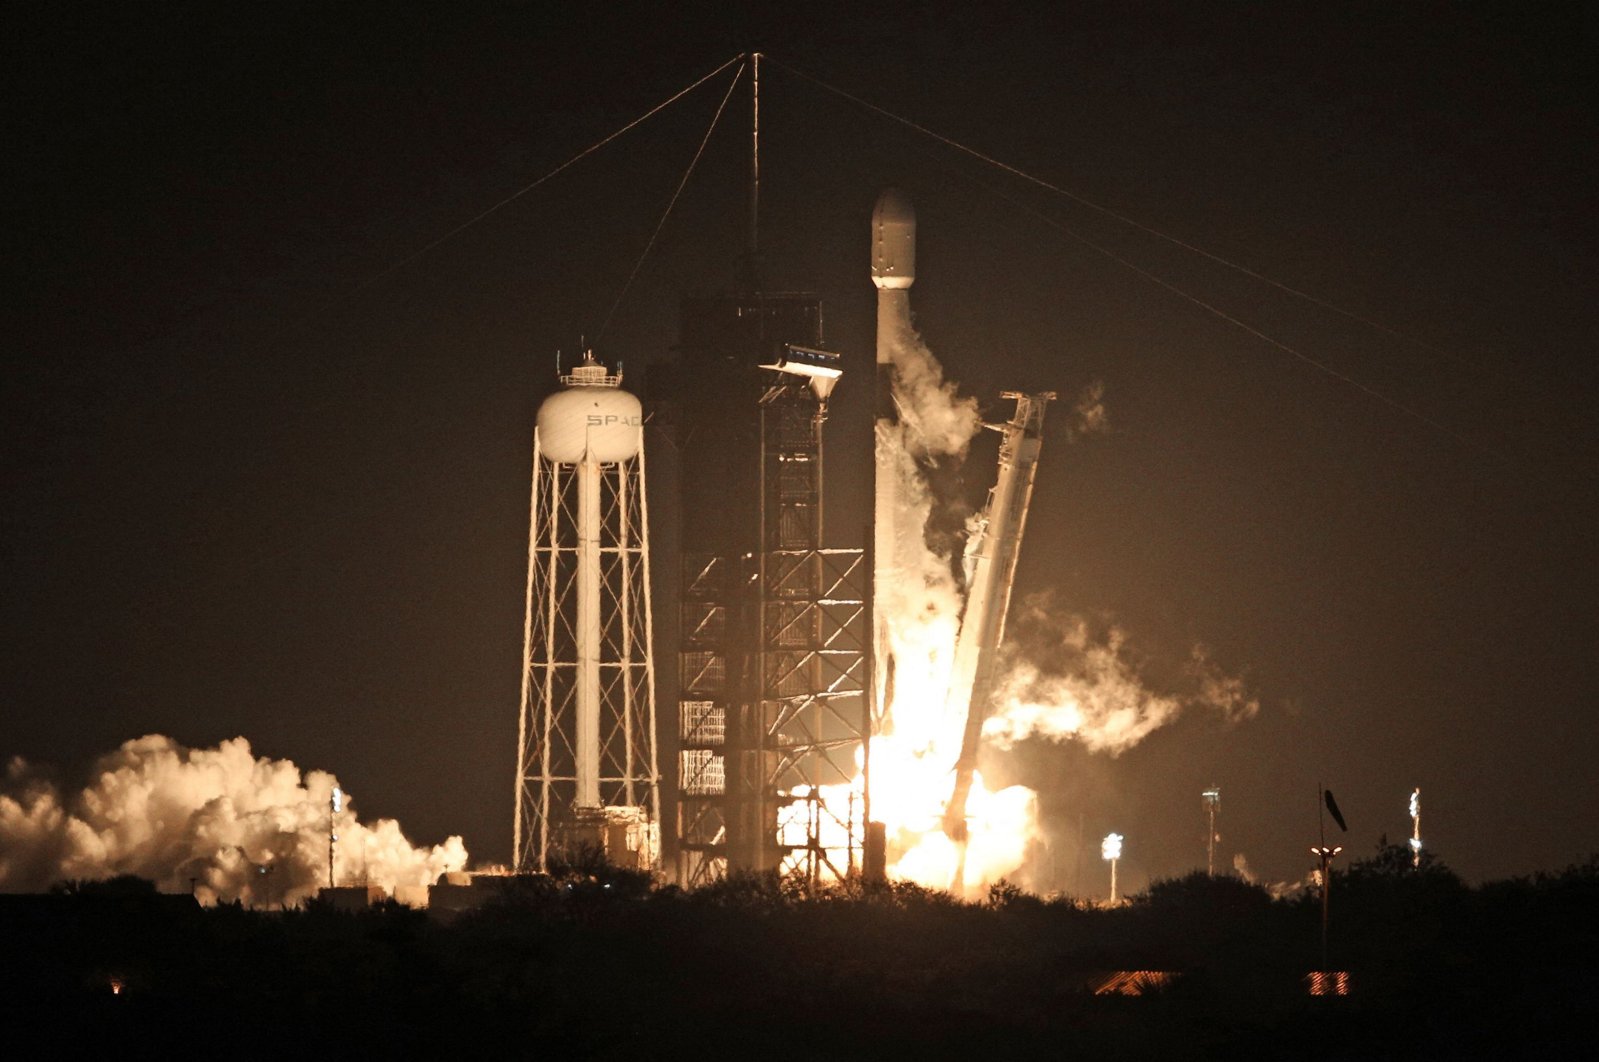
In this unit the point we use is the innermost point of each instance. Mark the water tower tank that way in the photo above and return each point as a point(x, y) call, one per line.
point(591, 413)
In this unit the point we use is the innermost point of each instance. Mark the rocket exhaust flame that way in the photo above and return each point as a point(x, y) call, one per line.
point(239, 827)
point(922, 418)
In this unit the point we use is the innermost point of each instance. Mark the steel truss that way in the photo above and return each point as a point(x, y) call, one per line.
point(620, 813)
point(773, 714)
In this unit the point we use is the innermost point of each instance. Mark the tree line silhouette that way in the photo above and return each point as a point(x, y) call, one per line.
point(594, 961)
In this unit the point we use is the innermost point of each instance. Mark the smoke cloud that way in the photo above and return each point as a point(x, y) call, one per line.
point(233, 825)
point(1088, 414)
point(1276, 889)
point(935, 419)
point(923, 604)
point(1065, 681)
point(1070, 682)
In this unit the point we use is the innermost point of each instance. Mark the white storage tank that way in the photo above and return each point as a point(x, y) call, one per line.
point(593, 414)
point(586, 727)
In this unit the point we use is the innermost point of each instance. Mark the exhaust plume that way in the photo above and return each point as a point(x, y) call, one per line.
point(220, 820)
point(936, 424)
point(1074, 683)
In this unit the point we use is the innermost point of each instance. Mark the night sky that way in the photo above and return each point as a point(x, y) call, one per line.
point(266, 474)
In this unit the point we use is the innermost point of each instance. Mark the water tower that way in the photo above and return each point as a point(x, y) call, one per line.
point(587, 779)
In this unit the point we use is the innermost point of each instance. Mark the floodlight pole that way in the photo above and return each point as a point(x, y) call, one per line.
point(1212, 799)
point(335, 802)
point(1415, 829)
point(1326, 855)
point(1111, 850)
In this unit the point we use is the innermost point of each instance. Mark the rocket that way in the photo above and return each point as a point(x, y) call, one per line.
point(893, 273)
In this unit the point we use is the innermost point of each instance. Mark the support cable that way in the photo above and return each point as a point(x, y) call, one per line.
point(1174, 289)
point(650, 245)
point(1108, 212)
point(519, 193)
point(1223, 315)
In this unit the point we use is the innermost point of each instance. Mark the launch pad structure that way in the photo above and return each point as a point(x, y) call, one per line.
point(772, 710)
point(784, 666)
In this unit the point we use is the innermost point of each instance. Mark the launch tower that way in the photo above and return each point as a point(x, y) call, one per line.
point(771, 694)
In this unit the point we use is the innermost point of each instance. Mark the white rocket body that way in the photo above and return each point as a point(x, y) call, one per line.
point(893, 272)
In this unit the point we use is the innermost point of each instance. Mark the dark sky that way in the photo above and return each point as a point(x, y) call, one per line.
point(252, 490)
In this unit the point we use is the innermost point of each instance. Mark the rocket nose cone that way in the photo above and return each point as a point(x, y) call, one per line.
point(894, 208)
point(893, 240)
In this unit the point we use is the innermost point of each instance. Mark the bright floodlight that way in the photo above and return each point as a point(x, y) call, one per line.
point(1111, 847)
point(1415, 828)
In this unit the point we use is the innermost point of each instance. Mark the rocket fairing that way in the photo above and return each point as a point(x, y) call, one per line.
point(893, 272)
point(893, 243)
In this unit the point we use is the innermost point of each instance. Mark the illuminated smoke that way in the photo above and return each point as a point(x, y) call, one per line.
point(1277, 890)
point(914, 755)
point(923, 606)
point(1072, 683)
point(935, 420)
point(1077, 687)
point(1088, 413)
point(241, 827)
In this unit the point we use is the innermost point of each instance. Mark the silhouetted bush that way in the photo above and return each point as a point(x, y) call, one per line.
point(561, 963)
point(121, 885)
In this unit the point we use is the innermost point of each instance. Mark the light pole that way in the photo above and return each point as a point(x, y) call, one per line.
point(1326, 855)
point(1111, 849)
point(1415, 829)
point(335, 805)
point(1212, 799)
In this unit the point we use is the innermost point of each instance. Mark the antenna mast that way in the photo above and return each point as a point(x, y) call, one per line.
point(755, 164)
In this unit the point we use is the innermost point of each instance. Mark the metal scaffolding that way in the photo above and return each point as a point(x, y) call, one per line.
point(772, 708)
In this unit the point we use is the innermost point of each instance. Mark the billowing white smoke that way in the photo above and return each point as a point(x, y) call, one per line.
point(923, 605)
point(1075, 687)
point(914, 756)
point(234, 826)
point(1070, 683)
point(1088, 413)
point(1276, 889)
point(935, 420)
